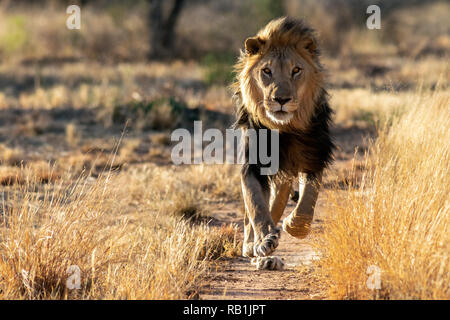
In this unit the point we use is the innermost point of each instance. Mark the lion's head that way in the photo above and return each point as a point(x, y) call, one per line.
point(279, 76)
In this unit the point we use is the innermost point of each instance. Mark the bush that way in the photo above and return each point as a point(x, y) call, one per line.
point(15, 36)
point(161, 113)
point(218, 68)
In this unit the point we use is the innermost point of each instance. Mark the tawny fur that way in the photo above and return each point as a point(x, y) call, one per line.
point(268, 263)
point(305, 142)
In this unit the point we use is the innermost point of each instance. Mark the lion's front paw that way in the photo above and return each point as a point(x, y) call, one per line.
point(247, 249)
point(268, 263)
point(268, 244)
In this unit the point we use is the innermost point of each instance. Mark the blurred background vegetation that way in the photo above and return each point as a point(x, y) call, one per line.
point(129, 56)
point(161, 64)
point(212, 31)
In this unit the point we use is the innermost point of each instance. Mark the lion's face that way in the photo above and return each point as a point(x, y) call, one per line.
point(281, 77)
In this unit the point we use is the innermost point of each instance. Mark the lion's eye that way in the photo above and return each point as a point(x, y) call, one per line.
point(296, 70)
point(267, 71)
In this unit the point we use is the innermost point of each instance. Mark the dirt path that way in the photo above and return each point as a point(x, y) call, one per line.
point(237, 279)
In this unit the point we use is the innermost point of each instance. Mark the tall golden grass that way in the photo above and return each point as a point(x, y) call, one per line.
point(124, 232)
point(397, 216)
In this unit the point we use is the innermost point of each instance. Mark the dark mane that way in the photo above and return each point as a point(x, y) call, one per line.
point(308, 151)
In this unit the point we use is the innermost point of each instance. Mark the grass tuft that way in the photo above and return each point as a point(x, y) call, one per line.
point(397, 218)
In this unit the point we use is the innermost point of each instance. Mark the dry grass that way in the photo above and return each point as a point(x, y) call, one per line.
point(139, 227)
point(398, 216)
point(363, 107)
point(10, 156)
point(121, 230)
point(26, 34)
point(72, 134)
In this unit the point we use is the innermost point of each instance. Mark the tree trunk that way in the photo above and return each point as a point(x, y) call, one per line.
point(162, 29)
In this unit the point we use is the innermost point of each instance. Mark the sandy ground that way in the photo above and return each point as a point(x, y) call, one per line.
point(238, 279)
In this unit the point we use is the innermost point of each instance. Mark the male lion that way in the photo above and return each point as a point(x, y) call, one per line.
point(280, 85)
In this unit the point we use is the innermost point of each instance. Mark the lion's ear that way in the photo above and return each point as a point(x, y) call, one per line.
point(253, 45)
point(311, 45)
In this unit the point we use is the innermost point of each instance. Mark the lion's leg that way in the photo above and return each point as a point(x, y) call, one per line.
point(255, 190)
point(249, 237)
point(279, 196)
point(298, 223)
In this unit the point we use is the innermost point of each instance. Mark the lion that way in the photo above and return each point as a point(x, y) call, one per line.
point(280, 85)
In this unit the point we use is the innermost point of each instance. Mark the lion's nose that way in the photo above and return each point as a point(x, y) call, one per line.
point(282, 101)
